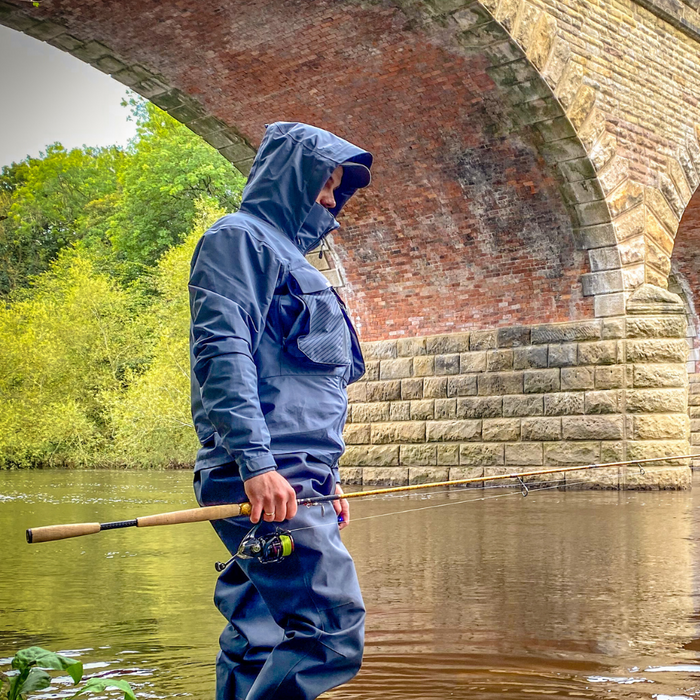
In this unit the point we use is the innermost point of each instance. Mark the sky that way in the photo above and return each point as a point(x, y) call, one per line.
point(46, 95)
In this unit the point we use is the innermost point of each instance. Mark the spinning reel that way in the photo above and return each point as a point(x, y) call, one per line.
point(267, 549)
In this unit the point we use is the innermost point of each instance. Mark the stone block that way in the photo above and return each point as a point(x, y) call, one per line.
point(675, 478)
point(540, 381)
point(564, 355)
point(479, 407)
point(512, 337)
point(448, 455)
point(657, 351)
point(411, 389)
point(661, 427)
point(662, 327)
point(384, 391)
point(500, 429)
point(371, 371)
point(611, 377)
point(464, 385)
point(577, 378)
point(446, 364)
point(609, 479)
point(499, 360)
point(603, 402)
point(418, 455)
point(423, 409)
point(370, 412)
point(500, 383)
point(423, 366)
point(435, 388)
point(357, 392)
point(386, 476)
point(563, 404)
point(600, 353)
point(661, 448)
point(565, 454)
point(531, 357)
point(483, 340)
point(460, 473)
point(612, 451)
point(447, 344)
point(380, 350)
point(532, 405)
point(479, 454)
point(472, 362)
point(357, 434)
point(566, 332)
point(541, 429)
point(592, 427)
point(400, 410)
point(399, 432)
point(427, 475)
point(657, 401)
point(445, 409)
point(370, 456)
point(609, 304)
point(598, 236)
point(453, 430)
point(613, 328)
point(350, 475)
point(396, 369)
point(410, 347)
point(660, 376)
point(524, 454)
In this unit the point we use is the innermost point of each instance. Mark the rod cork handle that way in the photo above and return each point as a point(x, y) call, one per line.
point(60, 532)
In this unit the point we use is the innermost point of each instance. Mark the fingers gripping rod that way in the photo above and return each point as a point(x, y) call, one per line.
point(231, 510)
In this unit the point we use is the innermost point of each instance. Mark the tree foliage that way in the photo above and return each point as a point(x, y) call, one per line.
point(95, 247)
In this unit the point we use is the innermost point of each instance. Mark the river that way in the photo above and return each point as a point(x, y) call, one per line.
point(560, 594)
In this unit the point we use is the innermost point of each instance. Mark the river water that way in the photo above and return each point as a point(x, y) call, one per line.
point(560, 594)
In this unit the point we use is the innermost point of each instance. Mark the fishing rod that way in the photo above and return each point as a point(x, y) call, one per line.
point(50, 533)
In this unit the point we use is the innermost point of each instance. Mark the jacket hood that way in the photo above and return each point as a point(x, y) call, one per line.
point(292, 165)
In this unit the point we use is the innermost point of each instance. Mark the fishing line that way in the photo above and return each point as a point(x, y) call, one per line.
point(443, 505)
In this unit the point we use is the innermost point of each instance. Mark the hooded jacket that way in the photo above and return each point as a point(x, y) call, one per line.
point(272, 346)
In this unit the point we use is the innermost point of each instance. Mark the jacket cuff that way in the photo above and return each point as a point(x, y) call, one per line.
point(336, 474)
point(256, 466)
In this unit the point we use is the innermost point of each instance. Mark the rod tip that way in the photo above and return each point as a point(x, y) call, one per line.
point(29, 536)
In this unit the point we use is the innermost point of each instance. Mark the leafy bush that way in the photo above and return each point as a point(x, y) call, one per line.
point(31, 664)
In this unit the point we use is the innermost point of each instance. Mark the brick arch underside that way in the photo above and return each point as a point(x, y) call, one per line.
point(465, 225)
point(685, 272)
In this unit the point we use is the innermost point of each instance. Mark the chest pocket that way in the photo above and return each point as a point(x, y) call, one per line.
point(320, 332)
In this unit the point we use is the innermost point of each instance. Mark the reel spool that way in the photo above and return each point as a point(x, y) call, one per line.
point(266, 549)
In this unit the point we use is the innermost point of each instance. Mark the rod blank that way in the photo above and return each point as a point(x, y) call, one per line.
point(232, 510)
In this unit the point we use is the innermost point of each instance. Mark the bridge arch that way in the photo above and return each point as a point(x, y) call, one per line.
point(494, 169)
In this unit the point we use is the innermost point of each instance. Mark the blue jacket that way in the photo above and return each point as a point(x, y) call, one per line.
point(272, 346)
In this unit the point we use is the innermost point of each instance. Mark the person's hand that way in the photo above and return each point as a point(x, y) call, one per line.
point(341, 508)
point(271, 496)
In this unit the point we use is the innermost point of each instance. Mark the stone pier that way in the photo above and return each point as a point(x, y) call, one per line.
point(514, 399)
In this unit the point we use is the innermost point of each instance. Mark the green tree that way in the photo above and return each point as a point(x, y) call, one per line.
point(168, 171)
point(66, 344)
point(46, 204)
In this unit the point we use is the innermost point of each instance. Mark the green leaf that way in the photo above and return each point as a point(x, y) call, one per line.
point(36, 680)
point(43, 658)
point(97, 685)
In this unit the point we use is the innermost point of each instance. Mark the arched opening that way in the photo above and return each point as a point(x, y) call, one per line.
point(466, 226)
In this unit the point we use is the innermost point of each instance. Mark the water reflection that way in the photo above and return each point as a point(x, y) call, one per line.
point(574, 594)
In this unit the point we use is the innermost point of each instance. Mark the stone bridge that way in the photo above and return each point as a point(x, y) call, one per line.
point(523, 269)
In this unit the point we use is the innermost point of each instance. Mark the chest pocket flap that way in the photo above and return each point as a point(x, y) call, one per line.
point(321, 334)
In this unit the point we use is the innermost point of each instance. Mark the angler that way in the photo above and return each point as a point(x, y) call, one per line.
point(272, 351)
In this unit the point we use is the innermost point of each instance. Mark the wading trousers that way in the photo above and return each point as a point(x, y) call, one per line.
point(296, 627)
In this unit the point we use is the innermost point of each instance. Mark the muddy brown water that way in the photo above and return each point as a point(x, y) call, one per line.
point(559, 594)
